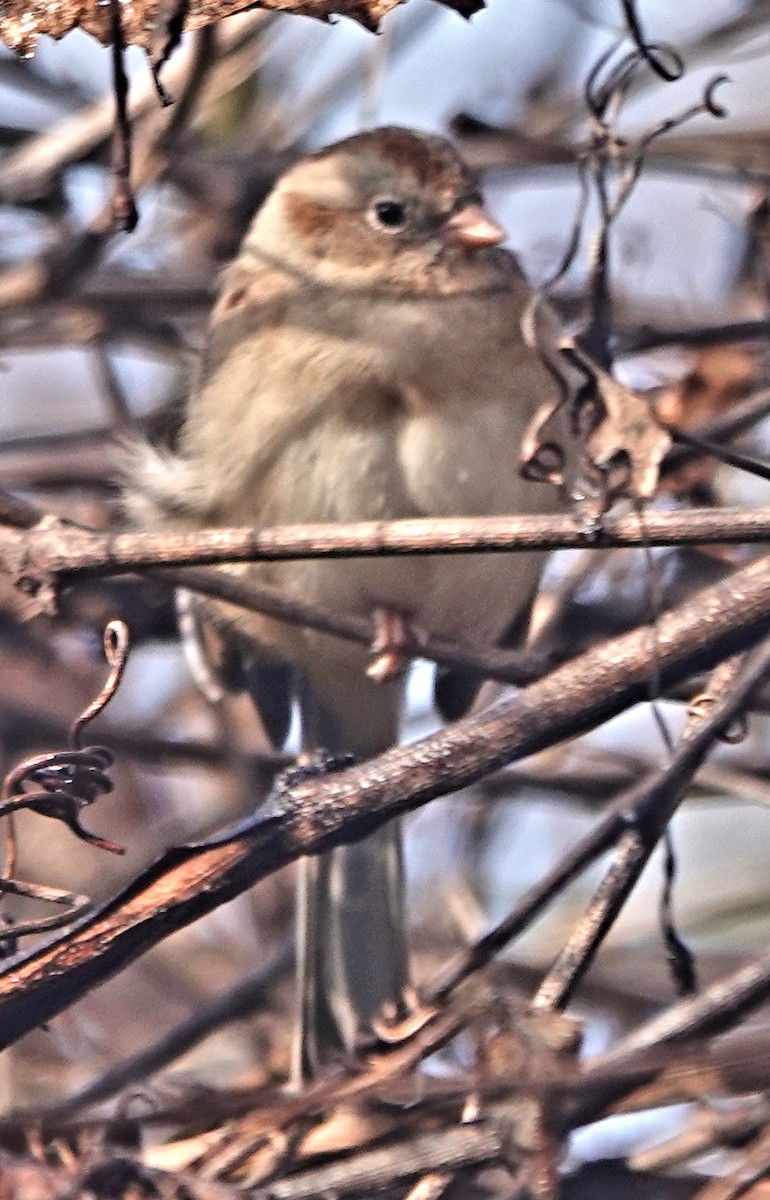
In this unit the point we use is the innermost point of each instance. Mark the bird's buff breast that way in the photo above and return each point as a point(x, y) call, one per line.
point(423, 466)
point(446, 443)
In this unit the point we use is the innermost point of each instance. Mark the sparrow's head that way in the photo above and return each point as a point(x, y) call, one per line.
point(379, 209)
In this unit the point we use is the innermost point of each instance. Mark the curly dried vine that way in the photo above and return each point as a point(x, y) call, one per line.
point(58, 785)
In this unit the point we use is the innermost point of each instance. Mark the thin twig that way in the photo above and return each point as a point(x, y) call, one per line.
point(508, 666)
point(125, 214)
point(732, 458)
point(30, 171)
point(712, 1011)
point(728, 424)
point(647, 337)
point(380, 1069)
point(612, 830)
point(647, 812)
point(372, 1170)
point(233, 1005)
point(58, 271)
point(18, 513)
point(753, 1165)
point(22, 728)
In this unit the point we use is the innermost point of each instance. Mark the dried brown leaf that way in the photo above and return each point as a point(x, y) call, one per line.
point(629, 428)
point(22, 22)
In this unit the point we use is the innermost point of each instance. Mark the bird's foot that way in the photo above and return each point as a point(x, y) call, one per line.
point(397, 1023)
point(392, 646)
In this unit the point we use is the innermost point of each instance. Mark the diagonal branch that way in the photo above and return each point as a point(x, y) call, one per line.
point(307, 816)
point(647, 812)
point(632, 825)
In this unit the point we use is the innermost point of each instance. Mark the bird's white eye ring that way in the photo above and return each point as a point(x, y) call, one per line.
point(389, 214)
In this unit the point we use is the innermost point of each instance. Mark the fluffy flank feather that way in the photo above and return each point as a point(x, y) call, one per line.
point(159, 484)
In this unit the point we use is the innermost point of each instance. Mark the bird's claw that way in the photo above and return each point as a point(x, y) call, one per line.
point(391, 647)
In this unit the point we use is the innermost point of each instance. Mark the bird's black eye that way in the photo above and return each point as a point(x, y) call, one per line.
point(391, 214)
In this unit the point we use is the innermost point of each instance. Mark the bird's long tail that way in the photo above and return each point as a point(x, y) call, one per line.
point(351, 945)
point(352, 954)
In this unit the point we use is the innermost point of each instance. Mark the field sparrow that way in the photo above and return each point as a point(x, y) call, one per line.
point(365, 361)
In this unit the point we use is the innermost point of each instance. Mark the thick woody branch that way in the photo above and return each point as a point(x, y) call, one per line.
point(373, 1170)
point(59, 551)
point(311, 815)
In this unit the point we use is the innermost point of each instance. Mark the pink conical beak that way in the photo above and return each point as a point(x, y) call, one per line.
point(472, 227)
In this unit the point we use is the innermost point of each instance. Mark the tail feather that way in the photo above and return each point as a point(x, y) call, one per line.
point(159, 483)
point(352, 952)
point(351, 946)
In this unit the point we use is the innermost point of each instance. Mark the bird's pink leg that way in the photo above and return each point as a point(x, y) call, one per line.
point(392, 646)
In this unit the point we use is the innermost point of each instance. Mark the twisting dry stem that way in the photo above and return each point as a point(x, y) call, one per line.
point(116, 647)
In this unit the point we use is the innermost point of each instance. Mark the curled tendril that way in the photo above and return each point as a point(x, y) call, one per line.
point(64, 784)
point(116, 647)
point(599, 88)
point(651, 52)
point(707, 105)
point(606, 83)
point(576, 233)
point(60, 784)
point(546, 465)
point(609, 168)
point(710, 105)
